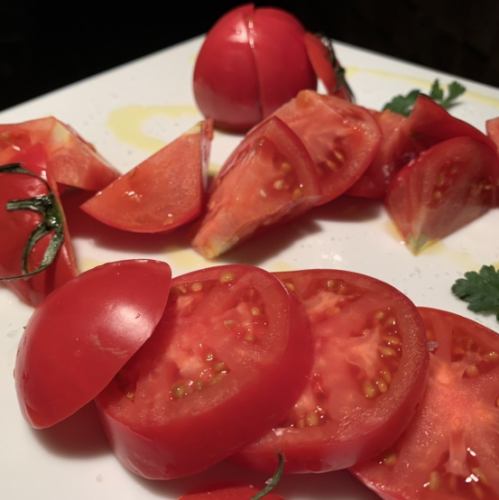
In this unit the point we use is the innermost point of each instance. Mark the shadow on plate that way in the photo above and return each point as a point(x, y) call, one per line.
point(79, 436)
point(348, 209)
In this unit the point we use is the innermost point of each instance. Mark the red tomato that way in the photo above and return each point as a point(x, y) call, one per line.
point(445, 188)
point(493, 130)
point(269, 177)
point(252, 61)
point(342, 138)
point(375, 180)
point(367, 379)
point(230, 493)
point(17, 227)
point(163, 192)
point(451, 447)
point(327, 67)
point(71, 160)
point(226, 363)
point(83, 334)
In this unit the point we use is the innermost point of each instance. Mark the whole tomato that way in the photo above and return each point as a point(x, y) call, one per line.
point(252, 62)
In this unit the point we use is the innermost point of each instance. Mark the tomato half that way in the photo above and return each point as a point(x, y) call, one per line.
point(445, 188)
point(368, 375)
point(83, 333)
point(19, 225)
point(269, 177)
point(341, 138)
point(71, 160)
point(451, 447)
point(225, 364)
point(251, 62)
point(161, 193)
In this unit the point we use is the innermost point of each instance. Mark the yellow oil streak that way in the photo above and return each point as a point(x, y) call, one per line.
point(127, 123)
point(279, 266)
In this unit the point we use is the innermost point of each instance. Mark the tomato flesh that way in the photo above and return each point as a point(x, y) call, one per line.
point(445, 188)
point(341, 138)
point(493, 130)
point(83, 333)
point(268, 178)
point(368, 375)
point(163, 192)
point(226, 363)
point(451, 447)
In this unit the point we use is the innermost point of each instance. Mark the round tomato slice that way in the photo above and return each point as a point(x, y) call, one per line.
point(368, 375)
point(225, 364)
point(163, 192)
point(18, 227)
point(445, 188)
point(267, 179)
point(341, 138)
point(82, 335)
point(451, 448)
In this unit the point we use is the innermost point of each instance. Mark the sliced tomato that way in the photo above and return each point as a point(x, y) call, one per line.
point(71, 160)
point(327, 67)
point(368, 375)
point(450, 449)
point(282, 64)
point(83, 333)
point(269, 177)
point(375, 180)
point(19, 225)
point(341, 138)
point(230, 493)
point(445, 188)
point(493, 130)
point(161, 193)
point(226, 363)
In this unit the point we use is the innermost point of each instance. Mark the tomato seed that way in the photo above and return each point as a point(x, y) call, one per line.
point(210, 357)
point(471, 371)
point(312, 419)
point(381, 385)
point(196, 287)
point(130, 395)
point(227, 277)
point(298, 192)
point(491, 356)
point(369, 390)
point(249, 337)
point(434, 483)
point(379, 315)
point(387, 375)
point(390, 459)
point(332, 165)
point(219, 367)
point(262, 193)
point(387, 352)
point(255, 311)
point(393, 340)
point(286, 166)
point(279, 184)
point(229, 323)
point(178, 391)
point(339, 155)
point(289, 286)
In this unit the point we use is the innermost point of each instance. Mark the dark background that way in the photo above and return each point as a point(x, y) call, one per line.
point(45, 45)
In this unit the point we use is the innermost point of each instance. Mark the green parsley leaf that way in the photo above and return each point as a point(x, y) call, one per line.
point(403, 104)
point(480, 289)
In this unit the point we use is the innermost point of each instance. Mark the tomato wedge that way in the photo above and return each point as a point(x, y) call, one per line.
point(83, 333)
point(493, 130)
point(341, 138)
point(450, 449)
point(71, 160)
point(226, 363)
point(375, 180)
point(269, 177)
point(19, 225)
point(445, 188)
point(161, 193)
point(367, 379)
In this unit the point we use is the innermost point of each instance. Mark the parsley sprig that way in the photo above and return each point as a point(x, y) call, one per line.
point(480, 289)
point(403, 104)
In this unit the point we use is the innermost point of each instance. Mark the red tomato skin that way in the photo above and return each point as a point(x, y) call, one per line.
point(186, 441)
point(463, 193)
point(230, 493)
point(83, 333)
point(282, 63)
point(453, 402)
point(18, 225)
point(163, 192)
point(316, 449)
point(492, 127)
point(225, 74)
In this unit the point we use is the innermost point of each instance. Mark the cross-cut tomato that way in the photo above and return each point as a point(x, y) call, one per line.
point(226, 363)
point(71, 160)
point(445, 188)
point(341, 138)
point(83, 333)
point(451, 447)
point(268, 178)
point(368, 376)
point(161, 193)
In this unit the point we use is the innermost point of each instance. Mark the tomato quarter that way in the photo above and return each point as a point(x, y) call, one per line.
point(450, 449)
point(225, 364)
point(83, 333)
point(368, 375)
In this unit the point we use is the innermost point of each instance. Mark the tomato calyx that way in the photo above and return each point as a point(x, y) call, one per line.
point(51, 222)
point(273, 481)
